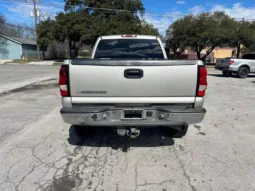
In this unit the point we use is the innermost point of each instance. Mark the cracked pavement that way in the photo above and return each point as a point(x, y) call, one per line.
point(38, 151)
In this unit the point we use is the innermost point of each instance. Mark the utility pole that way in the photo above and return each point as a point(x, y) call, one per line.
point(35, 23)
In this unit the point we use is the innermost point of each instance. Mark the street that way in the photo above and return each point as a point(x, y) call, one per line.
point(38, 151)
point(14, 76)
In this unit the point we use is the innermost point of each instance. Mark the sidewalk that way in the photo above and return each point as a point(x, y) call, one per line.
point(46, 63)
point(4, 61)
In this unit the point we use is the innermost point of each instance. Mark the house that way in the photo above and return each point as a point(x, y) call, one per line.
point(16, 48)
point(221, 52)
point(218, 52)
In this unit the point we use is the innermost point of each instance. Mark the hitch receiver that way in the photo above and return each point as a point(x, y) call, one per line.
point(133, 132)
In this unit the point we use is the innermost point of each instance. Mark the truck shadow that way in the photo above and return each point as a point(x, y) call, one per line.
point(233, 76)
point(106, 137)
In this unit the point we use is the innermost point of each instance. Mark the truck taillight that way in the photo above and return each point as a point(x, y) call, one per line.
point(63, 81)
point(202, 83)
point(231, 62)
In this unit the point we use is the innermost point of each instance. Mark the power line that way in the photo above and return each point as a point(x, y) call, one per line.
point(17, 26)
point(171, 15)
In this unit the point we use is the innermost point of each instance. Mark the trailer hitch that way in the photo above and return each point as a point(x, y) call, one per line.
point(133, 132)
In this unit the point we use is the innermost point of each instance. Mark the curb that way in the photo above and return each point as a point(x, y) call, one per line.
point(42, 63)
point(7, 88)
point(31, 63)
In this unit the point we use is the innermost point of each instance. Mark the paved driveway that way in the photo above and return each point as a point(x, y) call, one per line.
point(40, 152)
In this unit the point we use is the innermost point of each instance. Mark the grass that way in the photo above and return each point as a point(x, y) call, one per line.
point(57, 63)
point(23, 61)
point(83, 56)
point(210, 66)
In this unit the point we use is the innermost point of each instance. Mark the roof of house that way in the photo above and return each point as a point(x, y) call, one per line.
point(20, 40)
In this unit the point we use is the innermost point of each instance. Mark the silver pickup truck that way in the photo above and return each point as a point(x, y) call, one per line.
point(241, 67)
point(128, 84)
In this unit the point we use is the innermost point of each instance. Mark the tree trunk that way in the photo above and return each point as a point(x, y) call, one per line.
point(199, 49)
point(43, 53)
point(198, 55)
point(238, 50)
point(209, 51)
point(73, 49)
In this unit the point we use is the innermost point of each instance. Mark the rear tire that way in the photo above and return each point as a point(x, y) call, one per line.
point(243, 72)
point(174, 133)
point(81, 131)
point(227, 74)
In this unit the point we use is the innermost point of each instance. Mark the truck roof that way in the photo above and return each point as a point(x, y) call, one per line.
point(128, 36)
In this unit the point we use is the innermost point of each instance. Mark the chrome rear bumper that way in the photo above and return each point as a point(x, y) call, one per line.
point(114, 117)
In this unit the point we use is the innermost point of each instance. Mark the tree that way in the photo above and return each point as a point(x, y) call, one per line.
point(2, 23)
point(3, 42)
point(243, 36)
point(148, 29)
point(5, 28)
point(45, 34)
point(83, 21)
point(97, 6)
point(107, 20)
point(73, 27)
point(2, 19)
point(111, 17)
point(176, 39)
point(24, 31)
point(199, 32)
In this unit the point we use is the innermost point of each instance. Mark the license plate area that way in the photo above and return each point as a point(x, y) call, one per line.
point(132, 114)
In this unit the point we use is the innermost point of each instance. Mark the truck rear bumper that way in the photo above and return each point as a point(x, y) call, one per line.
point(114, 117)
point(226, 69)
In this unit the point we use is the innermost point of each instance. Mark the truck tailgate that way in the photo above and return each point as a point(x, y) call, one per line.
point(158, 78)
point(222, 62)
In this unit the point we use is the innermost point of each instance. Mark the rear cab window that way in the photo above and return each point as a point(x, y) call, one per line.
point(249, 56)
point(129, 49)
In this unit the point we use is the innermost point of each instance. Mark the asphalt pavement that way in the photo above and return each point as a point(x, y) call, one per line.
point(38, 151)
point(15, 76)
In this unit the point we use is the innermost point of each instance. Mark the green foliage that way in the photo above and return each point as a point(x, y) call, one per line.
point(131, 5)
point(72, 26)
point(176, 34)
point(83, 24)
point(148, 29)
point(110, 22)
point(243, 37)
point(45, 33)
point(205, 30)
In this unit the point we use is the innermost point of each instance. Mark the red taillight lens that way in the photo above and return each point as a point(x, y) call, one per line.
point(63, 81)
point(202, 84)
point(231, 62)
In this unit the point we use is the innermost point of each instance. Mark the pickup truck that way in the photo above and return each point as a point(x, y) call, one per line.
point(129, 84)
point(241, 67)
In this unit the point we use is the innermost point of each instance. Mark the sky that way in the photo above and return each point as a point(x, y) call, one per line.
point(160, 13)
